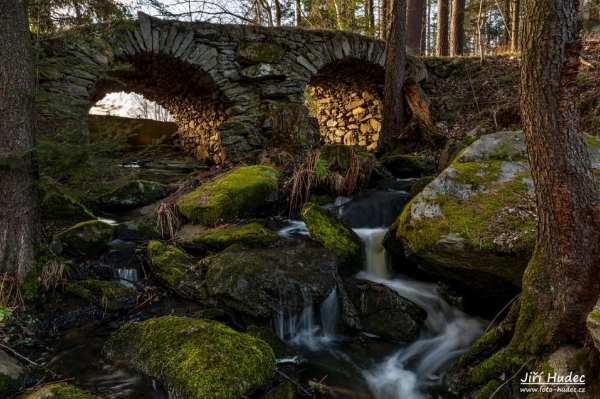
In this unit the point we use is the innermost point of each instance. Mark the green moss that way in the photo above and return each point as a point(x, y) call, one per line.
point(260, 52)
point(107, 294)
point(592, 141)
point(132, 194)
point(251, 235)
point(280, 348)
point(335, 235)
point(169, 263)
point(233, 195)
point(32, 287)
point(87, 237)
point(494, 366)
point(285, 390)
point(488, 390)
point(194, 358)
point(7, 385)
point(483, 344)
point(58, 205)
point(59, 391)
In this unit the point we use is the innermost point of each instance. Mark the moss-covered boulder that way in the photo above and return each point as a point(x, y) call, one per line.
point(236, 194)
point(109, 295)
point(335, 235)
point(61, 206)
point(87, 237)
point(408, 165)
point(11, 375)
point(281, 349)
point(141, 228)
point(131, 195)
point(176, 269)
point(58, 391)
point(474, 226)
point(382, 311)
point(193, 358)
point(250, 235)
point(261, 282)
point(593, 325)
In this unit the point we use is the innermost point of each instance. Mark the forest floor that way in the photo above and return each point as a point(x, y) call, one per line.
point(473, 92)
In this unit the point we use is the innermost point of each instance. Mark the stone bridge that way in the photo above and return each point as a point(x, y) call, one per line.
point(232, 88)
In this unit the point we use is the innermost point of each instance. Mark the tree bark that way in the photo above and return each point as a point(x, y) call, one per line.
point(297, 13)
point(393, 96)
point(277, 12)
point(383, 18)
point(441, 43)
point(457, 30)
point(562, 281)
point(19, 198)
point(414, 26)
point(514, 31)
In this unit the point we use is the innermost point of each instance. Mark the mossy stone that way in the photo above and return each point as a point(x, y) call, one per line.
point(131, 195)
point(194, 358)
point(280, 348)
point(408, 165)
point(59, 391)
point(334, 235)
point(284, 390)
point(142, 228)
point(250, 235)
point(109, 295)
point(259, 52)
point(236, 194)
point(87, 237)
point(63, 206)
point(11, 375)
point(176, 269)
point(593, 325)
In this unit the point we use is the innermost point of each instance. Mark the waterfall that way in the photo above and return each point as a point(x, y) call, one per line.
point(128, 277)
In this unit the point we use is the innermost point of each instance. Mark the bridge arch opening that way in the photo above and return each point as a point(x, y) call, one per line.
point(188, 94)
point(346, 98)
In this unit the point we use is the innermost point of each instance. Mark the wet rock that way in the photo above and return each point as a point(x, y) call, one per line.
point(193, 358)
point(87, 237)
point(131, 195)
point(141, 228)
point(109, 295)
point(259, 282)
point(334, 235)
point(406, 165)
point(62, 206)
point(474, 226)
point(259, 52)
point(236, 194)
point(280, 348)
point(382, 311)
point(12, 375)
point(250, 235)
point(59, 391)
point(176, 269)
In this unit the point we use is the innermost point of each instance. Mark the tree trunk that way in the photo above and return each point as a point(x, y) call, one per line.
point(562, 281)
point(19, 198)
point(370, 15)
point(383, 18)
point(297, 13)
point(457, 30)
point(277, 12)
point(441, 43)
point(414, 26)
point(393, 96)
point(514, 33)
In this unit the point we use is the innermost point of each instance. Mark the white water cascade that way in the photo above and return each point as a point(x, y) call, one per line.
point(447, 333)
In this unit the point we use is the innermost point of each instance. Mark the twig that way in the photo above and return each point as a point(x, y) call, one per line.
point(500, 312)
point(17, 354)
point(292, 381)
point(142, 304)
point(510, 379)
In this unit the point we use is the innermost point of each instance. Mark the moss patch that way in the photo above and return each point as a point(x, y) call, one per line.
point(106, 294)
point(87, 237)
point(255, 52)
point(58, 205)
point(251, 235)
point(196, 359)
point(59, 391)
point(335, 235)
point(236, 194)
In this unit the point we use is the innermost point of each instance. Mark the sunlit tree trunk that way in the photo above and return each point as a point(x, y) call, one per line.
point(414, 25)
point(277, 12)
point(18, 199)
point(441, 43)
point(457, 30)
point(383, 18)
point(514, 44)
point(393, 96)
point(562, 281)
point(297, 13)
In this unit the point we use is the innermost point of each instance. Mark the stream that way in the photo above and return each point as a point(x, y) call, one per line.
point(363, 367)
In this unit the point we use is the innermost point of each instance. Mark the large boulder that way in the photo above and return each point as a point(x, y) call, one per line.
point(131, 195)
point(108, 295)
point(261, 282)
point(62, 206)
point(87, 237)
point(193, 358)
point(176, 269)
point(59, 391)
point(12, 375)
point(236, 194)
point(250, 235)
point(335, 235)
point(382, 311)
point(141, 228)
point(474, 226)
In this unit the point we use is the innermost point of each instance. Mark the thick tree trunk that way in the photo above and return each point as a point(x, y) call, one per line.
point(514, 32)
point(383, 18)
point(441, 42)
point(457, 30)
point(370, 15)
point(562, 281)
point(393, 96)
point(277, 12)
point(18, 199)
point(414, 26)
